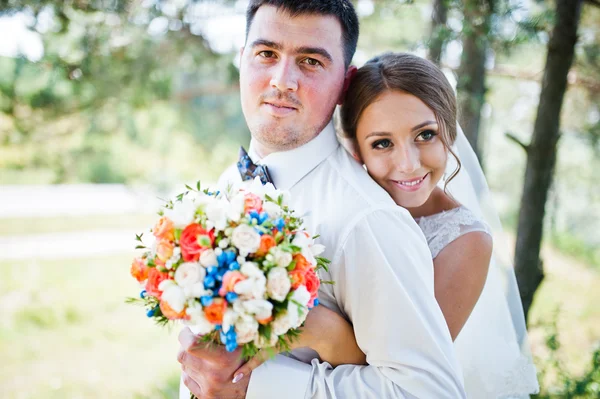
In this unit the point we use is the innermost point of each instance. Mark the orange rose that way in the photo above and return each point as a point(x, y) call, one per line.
point(154, 279)
point(170, 314)
point(164, 230)
point(266, 243)
point(164, 250)
point(194, 240)
point(312, 284)
point(215, 311)
point(230, 279)
point(298, 277)
point(302, 263)
point(139, 270)
point(252, 202)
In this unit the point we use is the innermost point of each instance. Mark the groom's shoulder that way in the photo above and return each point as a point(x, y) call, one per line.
point(229, 175)
point(351, 182)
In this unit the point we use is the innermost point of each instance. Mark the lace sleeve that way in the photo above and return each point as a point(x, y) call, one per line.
point(443, 228)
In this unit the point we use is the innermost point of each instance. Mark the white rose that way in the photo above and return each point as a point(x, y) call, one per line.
point(182, 213)
point(281, 257)
point(246, 329)
point(208, 258)
point(250, 269)
point(301, 295)
point(216, 212)
point(281, 324)
point(189, 273)
point(254, 287)
point(197, 322)
point(174, 297)
point(297, 306)
point(196, 290)
point(261, 342)
point(245, 238)
point(229, 318)
point(165, 284)
point(272, 209)
point(278, 283)
point(260, 308)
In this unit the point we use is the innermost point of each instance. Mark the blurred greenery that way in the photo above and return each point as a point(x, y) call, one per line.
point(146, 92)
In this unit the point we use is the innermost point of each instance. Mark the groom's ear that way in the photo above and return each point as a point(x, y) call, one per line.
point(347, 79)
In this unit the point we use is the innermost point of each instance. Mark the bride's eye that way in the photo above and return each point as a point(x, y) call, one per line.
point(426, 135)
point(381, 144)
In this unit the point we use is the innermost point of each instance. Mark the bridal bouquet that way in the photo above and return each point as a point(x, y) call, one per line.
point(236, 266)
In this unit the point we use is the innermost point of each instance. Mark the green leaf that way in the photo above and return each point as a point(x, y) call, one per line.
point(292, 266)
point(189, 188)
point(140, 247)
point(198, 185)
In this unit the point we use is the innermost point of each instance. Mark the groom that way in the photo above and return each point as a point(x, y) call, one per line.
point(294, 70)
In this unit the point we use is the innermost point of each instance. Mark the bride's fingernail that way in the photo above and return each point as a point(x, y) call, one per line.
point(237, 377)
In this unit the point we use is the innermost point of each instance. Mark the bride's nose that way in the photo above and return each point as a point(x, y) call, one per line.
point(407, 159)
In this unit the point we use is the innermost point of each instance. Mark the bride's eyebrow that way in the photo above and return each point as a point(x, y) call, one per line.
point(420, 125)
point(381, 134)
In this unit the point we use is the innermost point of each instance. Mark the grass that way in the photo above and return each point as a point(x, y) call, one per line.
point(67, 333)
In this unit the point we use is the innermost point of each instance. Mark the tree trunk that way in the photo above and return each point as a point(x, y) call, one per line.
point(471, 73)
point(541, 153)
point(438, 36)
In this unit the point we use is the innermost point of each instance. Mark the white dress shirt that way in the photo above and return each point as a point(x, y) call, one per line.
point(383, 276)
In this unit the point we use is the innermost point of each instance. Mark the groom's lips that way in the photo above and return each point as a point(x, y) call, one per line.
point(279, 109)
point(411, 185)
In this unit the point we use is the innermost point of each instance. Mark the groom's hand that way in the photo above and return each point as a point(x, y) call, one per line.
point(208, 369)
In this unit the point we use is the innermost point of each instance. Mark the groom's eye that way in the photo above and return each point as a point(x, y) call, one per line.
point(311, 62)
point(266, 54)
point(381, 144)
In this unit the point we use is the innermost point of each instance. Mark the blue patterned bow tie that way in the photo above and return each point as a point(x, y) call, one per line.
point(249, 170)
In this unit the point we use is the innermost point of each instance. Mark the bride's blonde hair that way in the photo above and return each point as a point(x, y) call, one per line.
point(408, 73)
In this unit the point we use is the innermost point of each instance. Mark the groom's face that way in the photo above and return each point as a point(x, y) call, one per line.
point(291, 77)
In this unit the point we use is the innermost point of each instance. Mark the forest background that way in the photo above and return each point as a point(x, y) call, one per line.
point(107, 105)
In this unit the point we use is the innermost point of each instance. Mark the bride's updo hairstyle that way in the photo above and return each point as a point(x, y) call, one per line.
point(407, 73)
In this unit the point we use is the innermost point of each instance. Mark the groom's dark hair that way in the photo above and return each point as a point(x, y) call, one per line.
point(343, 10)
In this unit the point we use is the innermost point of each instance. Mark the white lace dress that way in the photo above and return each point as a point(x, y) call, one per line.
point(489, 354)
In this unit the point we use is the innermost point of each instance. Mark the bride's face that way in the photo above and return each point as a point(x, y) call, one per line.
point(399, 142)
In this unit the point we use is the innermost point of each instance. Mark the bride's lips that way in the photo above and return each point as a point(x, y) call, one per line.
point(279, 109)
point(411, 185)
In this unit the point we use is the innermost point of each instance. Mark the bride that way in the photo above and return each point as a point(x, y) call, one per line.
point(399, 121)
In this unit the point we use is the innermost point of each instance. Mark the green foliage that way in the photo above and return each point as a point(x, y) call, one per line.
point(556, 381)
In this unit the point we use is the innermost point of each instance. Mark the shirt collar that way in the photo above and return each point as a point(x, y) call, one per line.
point(288, 167)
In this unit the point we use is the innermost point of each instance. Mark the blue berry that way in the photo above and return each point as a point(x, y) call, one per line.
point(230, 256)
point(206, 300)
point(234, 266)
point(143, 294)
point(209, 282)
point(263, 218)
point(151, 312)
point(231, 297)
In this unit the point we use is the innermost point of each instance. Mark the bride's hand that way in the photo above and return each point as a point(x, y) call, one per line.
point(324, 331)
